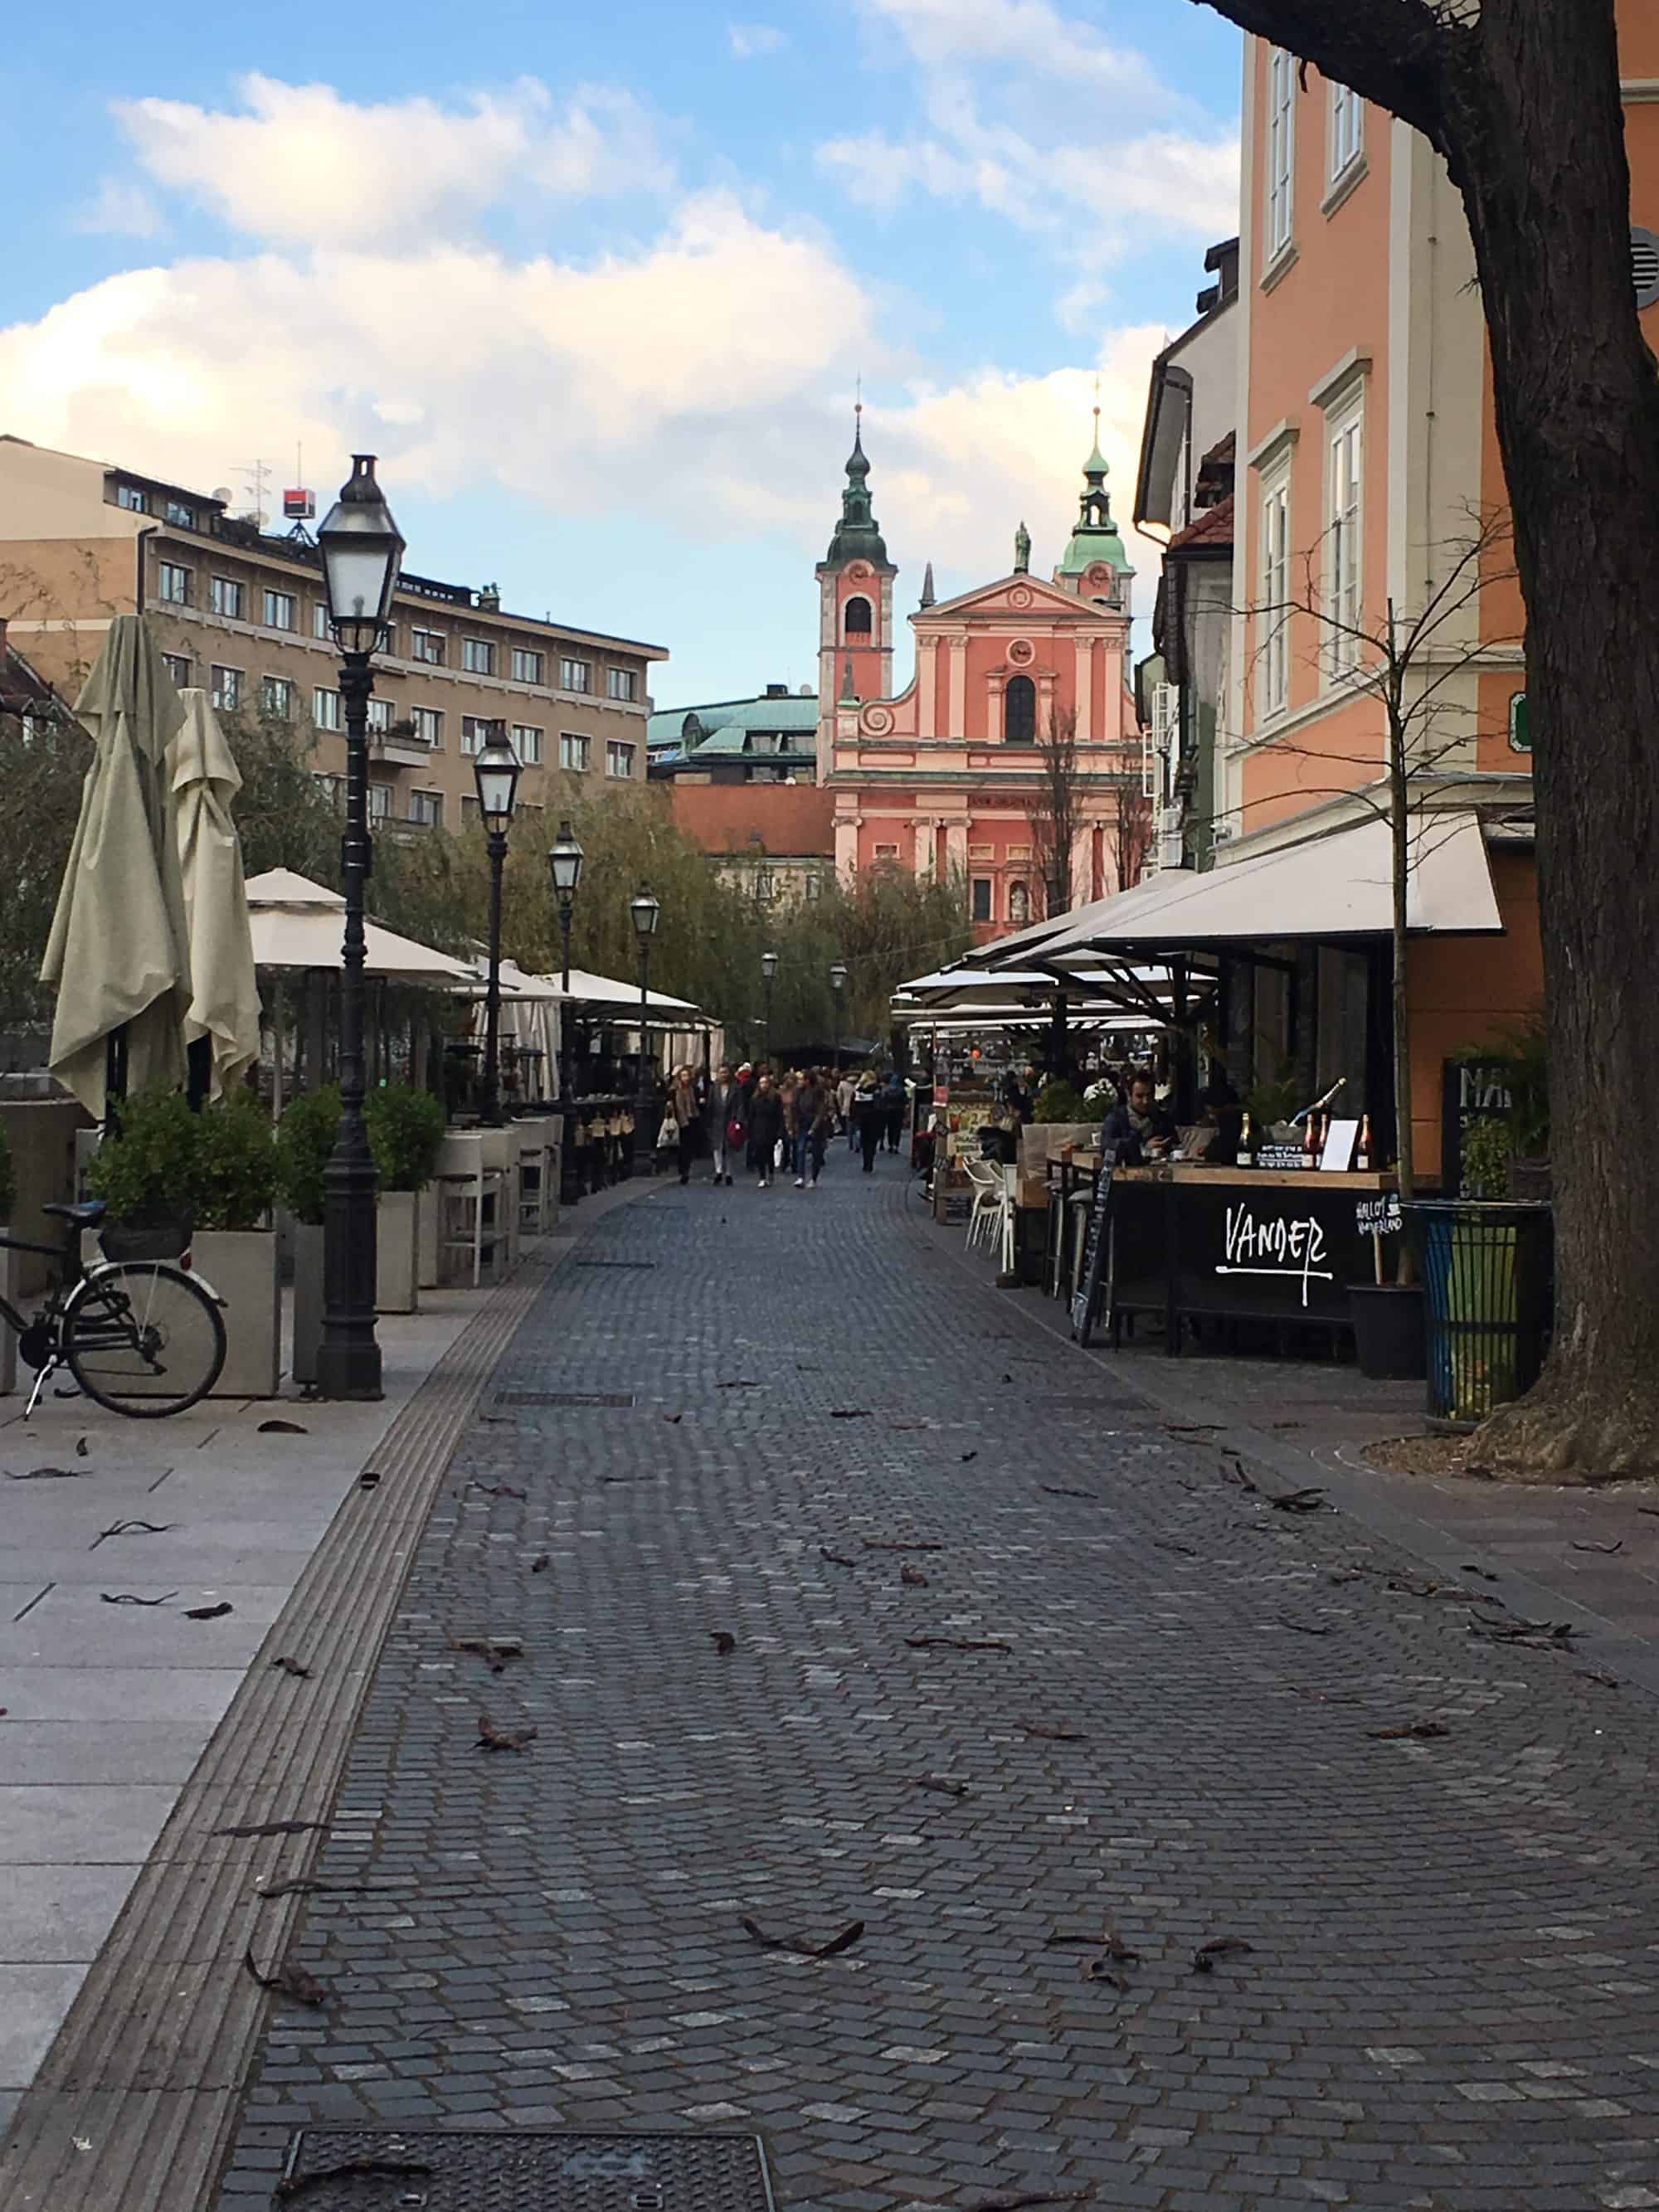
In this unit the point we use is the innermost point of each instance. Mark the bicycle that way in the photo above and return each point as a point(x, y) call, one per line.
point(140, 1337)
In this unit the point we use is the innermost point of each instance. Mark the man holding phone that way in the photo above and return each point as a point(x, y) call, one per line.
point(1140, 1128)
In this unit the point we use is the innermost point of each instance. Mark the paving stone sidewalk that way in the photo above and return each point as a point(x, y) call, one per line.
point(1449, 1996)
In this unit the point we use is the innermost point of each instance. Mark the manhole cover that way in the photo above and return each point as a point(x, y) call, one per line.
point(454, 2170)
point(564, 1398)
point(616, 1263)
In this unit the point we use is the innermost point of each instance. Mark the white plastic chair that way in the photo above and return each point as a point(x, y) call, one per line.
point(985, 1179)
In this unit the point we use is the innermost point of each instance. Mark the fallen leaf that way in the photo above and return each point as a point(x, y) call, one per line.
point(803, 1944)
point(849, 1412)
point(272, 1828)
point(1596, 1674)
point(1237, 1473)
point(945, 1784)
point(966, 1456)
point(283, 1429)
point(1021, 2197)
point(1100, 1970)
point(724, 1641)
point(957, 1643)
point(739, 1382)
point(1418, 1731)
point(390, 2169)
point(209, 1612)
point(889, 1543)
point(912, 1578)
point(1218, 1946)
point(493, 1650)
point(81, 1448)
point(1054, 1490)
point(291, 1667)
point(132, 1528)
point(1305, 1627)
point(126, 1597)
point(1191, 1428)
point(1618, 1545)
point(495, 1489)
point(1468, 1567)
point(835, 1558)
point(47, 1474)
point(490, 1738)
point(369, 1478)
point(1168, 1544)
point(673, 1418)
point(1051, 1732)
point(288, 1981)
point(541, 1563)
point(1311, 1500)
point(1541, 1635)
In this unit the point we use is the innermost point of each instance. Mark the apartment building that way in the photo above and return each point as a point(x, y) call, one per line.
point(242, 614)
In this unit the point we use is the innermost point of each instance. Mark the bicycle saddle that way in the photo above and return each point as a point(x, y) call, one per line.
point(84, 1215)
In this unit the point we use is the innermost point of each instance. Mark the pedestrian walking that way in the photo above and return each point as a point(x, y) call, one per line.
point(765, 1127)
point(810, 1120)
point(870, 1116)
point(727, 1121)
point(893, 1104)
point(682, 1105)
point(846, 1091)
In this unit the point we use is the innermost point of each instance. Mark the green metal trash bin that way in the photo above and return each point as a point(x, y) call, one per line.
point(1487, 1272)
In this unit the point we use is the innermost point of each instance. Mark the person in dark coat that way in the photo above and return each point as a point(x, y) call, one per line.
point(765, 1127)
point(870, 1117)
point(809, 1119)
point(727, 1114)
point(1140, 1128)
point(894, 1103)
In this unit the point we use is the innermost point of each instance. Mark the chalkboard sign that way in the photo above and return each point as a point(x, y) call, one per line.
point(1085, 1305)
point(1380, 1216)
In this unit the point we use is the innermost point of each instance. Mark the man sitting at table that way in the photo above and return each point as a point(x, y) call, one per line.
point(1140, 1128)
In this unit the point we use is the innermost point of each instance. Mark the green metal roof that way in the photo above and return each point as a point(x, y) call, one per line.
point(791, 712)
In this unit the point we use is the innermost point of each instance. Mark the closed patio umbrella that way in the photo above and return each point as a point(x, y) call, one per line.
point(119, 951)
point(224, 999)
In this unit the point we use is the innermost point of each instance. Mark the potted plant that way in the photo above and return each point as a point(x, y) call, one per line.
point(305, 1137)
point(405, 1129)
point(235, 1243)
point(146, 1172)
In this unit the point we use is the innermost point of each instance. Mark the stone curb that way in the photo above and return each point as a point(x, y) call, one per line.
point(135, 2103)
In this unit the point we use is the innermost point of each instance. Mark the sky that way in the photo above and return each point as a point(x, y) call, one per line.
point(600, 283)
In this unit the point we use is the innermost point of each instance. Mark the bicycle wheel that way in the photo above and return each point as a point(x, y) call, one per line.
point(145, 1339)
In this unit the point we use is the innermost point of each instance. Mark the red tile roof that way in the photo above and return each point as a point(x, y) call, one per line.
point(1214, 526)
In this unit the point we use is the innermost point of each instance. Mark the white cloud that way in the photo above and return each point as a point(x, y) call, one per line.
point(302, 165)
point(119, 209)
point(750, 39)
point(1031, 36)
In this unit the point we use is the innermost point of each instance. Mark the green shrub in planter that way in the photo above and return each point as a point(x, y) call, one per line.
point(151, 1166)
point(405, 1130)
point(1487, 1160)
point(1059, 1101)
point(305, 1137)
point(235, 1165)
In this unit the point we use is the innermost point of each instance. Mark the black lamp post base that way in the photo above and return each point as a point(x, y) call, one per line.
point(349, 1370)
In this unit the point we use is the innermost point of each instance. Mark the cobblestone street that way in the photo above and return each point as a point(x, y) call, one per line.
point(1015, 1663)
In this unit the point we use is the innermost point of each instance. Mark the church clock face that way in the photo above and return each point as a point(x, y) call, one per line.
point(1100, 574)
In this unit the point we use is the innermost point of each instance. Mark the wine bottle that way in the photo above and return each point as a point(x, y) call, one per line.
point(1362, 1158)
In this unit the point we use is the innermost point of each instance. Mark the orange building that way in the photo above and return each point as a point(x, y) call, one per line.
point(947, 777)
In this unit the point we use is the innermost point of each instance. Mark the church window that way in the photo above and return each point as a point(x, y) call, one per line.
point(1019, 711)
point(981, 898)
point(858, 621)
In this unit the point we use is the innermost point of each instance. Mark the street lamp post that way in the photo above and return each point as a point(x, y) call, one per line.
point(646, 911)
point(768, 976)
point(564, 865)
point(362, 552)
point(837, 984)
point(495, 772)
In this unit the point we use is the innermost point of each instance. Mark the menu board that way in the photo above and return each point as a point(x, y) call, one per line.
point(1085, 1305)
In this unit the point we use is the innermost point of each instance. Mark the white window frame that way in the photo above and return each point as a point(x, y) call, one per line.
point(433, 735)
point(227, 697)
point(222, 587)
point(527, 664)
point(1344, 531)
point(420, 642)
point(380, 803)
point(272, 603)
point(380, 715)
point(131, 499)
point(1345, 130)
point(1279, 198)
point(475, 734)
point(575, 752)
point(320, 626)
point(326, 709)
point(165, 573)
point(178, 667)
point(576, 675)
point(526, 739)
point(433, 818)
point(478, 656)
point(268, 684)
point(619, 761)
point(622, 685)
point(1274, 642)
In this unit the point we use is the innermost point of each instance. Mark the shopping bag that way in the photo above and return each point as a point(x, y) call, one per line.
point(669, 1136)
point(777, 1153)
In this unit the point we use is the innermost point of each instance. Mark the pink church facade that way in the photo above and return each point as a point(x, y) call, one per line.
point(944, 777)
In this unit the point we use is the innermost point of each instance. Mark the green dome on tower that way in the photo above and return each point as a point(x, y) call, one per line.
point(858, 536)
point(1095, 537)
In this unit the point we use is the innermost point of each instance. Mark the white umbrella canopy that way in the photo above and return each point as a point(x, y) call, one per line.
point(224, 998)
point(296, 924)
point(118, 954)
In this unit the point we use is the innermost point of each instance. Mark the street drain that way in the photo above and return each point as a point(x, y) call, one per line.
point(564, 1398)
point(529, 2170)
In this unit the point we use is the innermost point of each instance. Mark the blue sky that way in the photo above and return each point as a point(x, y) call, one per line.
point(597, 283)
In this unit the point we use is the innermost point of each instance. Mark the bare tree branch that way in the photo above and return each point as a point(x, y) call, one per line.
point(1396, 52)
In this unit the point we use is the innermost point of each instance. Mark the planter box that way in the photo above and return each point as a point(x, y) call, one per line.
point(307, 1301)
point(396, 1251)
point(1389, 1342)
point(241, 1265)
point(426, 1238)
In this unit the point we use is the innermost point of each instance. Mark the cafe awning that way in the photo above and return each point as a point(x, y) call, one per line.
point(299, 924)
point(1335, 886)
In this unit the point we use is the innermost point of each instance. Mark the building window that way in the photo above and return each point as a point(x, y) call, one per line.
point(478, 656)
point(526, 666)
point(226, 597)
point(379, 715)
point(426, 645)
point(429, 723)
point(320, 622)
point(981, 896)
point(618, 759)
point(130, 496)
point(1348, 131)
point(427, 807)
point(1019, 711)
point(173, 583)
point(379, 802)
point(278, 610)
point(813, 885)
point(856, 619)
point(181, 516)
point(1275, 614)
point(527, 743)
point(575, 752)
point(1281, 148)
point(475, 733)
point(178, 667)
point(622, 683)
point(276, 698)
point(333, 789)
point(326, 709)
point(574, 676)
point(469, 810)
point(226, 689)
point(1344, 522)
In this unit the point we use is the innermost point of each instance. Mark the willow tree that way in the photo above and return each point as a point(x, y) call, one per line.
point(1521, 99)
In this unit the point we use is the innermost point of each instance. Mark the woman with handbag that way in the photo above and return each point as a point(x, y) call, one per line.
point(727, 1122)
point(765, 1128)
point(682, 1105)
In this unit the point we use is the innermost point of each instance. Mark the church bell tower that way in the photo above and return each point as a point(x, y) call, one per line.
point(855, 604)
